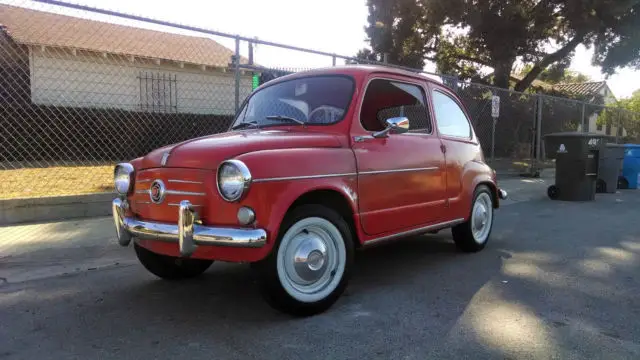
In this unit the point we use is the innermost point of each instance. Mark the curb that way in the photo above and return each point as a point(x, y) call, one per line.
point(52, 208)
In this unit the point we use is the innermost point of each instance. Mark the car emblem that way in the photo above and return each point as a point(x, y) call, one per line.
point(165, 157)
point(157, 191)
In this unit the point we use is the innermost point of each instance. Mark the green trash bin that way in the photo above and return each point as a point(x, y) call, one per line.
point(577, 164)
point(610, 167)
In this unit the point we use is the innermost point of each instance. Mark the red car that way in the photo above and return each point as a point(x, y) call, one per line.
point(315, 165)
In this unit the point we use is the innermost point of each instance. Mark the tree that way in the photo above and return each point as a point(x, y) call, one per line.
point(623, 113)
point(557, 74)
point(469, 37)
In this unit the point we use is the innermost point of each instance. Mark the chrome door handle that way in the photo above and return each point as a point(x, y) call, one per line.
point(362, 138)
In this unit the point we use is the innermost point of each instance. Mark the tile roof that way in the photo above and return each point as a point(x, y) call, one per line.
point(33, 27)
point(582, 89)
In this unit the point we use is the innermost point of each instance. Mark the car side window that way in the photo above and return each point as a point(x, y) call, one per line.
point(385, 99)
point(451, 120)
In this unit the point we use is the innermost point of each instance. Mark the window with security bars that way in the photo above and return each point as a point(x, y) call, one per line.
point(158, 92)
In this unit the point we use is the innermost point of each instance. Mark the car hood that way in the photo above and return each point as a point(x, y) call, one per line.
point(207, 152)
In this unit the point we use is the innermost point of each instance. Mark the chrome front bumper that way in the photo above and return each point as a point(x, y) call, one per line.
point(186, 233)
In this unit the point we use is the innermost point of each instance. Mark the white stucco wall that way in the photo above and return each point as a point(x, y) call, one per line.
point(58, 77)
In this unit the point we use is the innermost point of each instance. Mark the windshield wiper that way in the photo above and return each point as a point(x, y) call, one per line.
point(245, 124)
point(286, 118)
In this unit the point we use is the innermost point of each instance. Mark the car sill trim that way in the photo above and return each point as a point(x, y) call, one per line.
point(417, 231)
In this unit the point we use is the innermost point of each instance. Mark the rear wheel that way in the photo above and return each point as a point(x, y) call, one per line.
point(601, 186)
point(553, 192)
point(473, 235)
point(310, 264)
point(623, 183)
point(169, 267)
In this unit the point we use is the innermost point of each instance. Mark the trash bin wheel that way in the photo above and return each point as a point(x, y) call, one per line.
point(552, 192)
point(623, 183)
point(601, 186)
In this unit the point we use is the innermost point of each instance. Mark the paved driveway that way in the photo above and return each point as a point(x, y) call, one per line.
point(559, 280)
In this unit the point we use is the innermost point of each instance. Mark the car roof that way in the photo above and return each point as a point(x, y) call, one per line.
point(356, 70)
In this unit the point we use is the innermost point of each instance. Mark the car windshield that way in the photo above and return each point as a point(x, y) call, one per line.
point(311, 100)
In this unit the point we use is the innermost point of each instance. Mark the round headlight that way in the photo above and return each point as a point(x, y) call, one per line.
point(234, 180)
point(123, 178)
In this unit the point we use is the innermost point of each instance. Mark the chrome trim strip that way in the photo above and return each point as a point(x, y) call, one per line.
point(143, 202)
point(174, 192)
point(421, 230)
point(302, 177)
point(186, 232)
point(432, 168)
point(184, 181)
point(188, 193)
point(176, 204)
point(144, 180)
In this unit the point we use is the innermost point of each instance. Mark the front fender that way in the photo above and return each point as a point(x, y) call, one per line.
point(280, 177)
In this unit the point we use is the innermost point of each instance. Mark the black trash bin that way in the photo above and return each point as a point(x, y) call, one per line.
point(576, 156)
point(610, 167)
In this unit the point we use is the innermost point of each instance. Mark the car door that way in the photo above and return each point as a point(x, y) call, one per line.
point(461, 146)
point(401, 180)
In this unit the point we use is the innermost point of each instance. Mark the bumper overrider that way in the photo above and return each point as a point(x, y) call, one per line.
point(186, 233)
point(502, 194)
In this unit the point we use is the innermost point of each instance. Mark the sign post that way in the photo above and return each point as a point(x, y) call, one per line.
point(495, 113)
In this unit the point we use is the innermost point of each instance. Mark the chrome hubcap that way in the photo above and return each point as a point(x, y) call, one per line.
point(311, 259)
point(481, 217)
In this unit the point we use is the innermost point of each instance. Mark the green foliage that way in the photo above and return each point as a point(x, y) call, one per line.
point(625, 112)
point(469, 38)
point(557, 74)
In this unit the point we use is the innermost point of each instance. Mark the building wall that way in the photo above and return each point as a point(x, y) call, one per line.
point(85, 79)
point(14, 71)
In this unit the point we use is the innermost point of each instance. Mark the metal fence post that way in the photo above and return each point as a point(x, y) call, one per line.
point(619, 125)
point(236, 61)
point(584, 105)
point(334, 60)
point(493, 137)
point(539, 132)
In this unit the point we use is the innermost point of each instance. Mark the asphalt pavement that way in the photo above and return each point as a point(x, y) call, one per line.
point(559, 280)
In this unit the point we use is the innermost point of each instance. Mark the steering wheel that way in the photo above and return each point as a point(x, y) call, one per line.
point(329, 111)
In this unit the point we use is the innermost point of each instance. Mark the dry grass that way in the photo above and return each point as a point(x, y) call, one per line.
point(55, 181)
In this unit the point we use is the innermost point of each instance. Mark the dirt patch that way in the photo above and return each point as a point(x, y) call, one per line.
point(55, 181)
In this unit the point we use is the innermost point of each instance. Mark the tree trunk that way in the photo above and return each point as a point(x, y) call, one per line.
point(548, 60)
point(502, 73)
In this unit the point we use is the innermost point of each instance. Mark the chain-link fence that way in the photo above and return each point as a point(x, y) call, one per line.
point(82, 89)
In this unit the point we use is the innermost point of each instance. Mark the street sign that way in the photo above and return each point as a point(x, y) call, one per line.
point(495, 106)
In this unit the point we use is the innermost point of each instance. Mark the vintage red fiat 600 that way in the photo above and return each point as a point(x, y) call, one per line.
point(315, 165)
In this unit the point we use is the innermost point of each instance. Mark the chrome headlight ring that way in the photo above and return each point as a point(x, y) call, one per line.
point(123, 176)
point(233, 180)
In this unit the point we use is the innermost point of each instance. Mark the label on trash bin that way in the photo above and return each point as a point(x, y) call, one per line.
point(562, 149)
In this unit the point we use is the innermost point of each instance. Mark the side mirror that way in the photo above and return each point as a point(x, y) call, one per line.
point(396, 125)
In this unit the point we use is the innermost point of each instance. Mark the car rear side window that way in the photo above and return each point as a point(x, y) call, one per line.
point(451, 120)
point(385, 99)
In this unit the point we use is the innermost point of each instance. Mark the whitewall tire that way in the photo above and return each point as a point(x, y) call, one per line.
point(309, 266)
point(473, 235)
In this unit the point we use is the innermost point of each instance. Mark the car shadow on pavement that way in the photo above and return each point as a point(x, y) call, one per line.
point(396, 288)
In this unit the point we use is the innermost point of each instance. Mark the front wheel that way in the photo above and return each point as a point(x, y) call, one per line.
point(309, 266)
point(473, 235)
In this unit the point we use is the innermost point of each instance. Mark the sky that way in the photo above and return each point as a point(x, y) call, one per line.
point(334, 26)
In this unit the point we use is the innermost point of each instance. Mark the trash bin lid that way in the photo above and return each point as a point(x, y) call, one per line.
point(576, 134)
